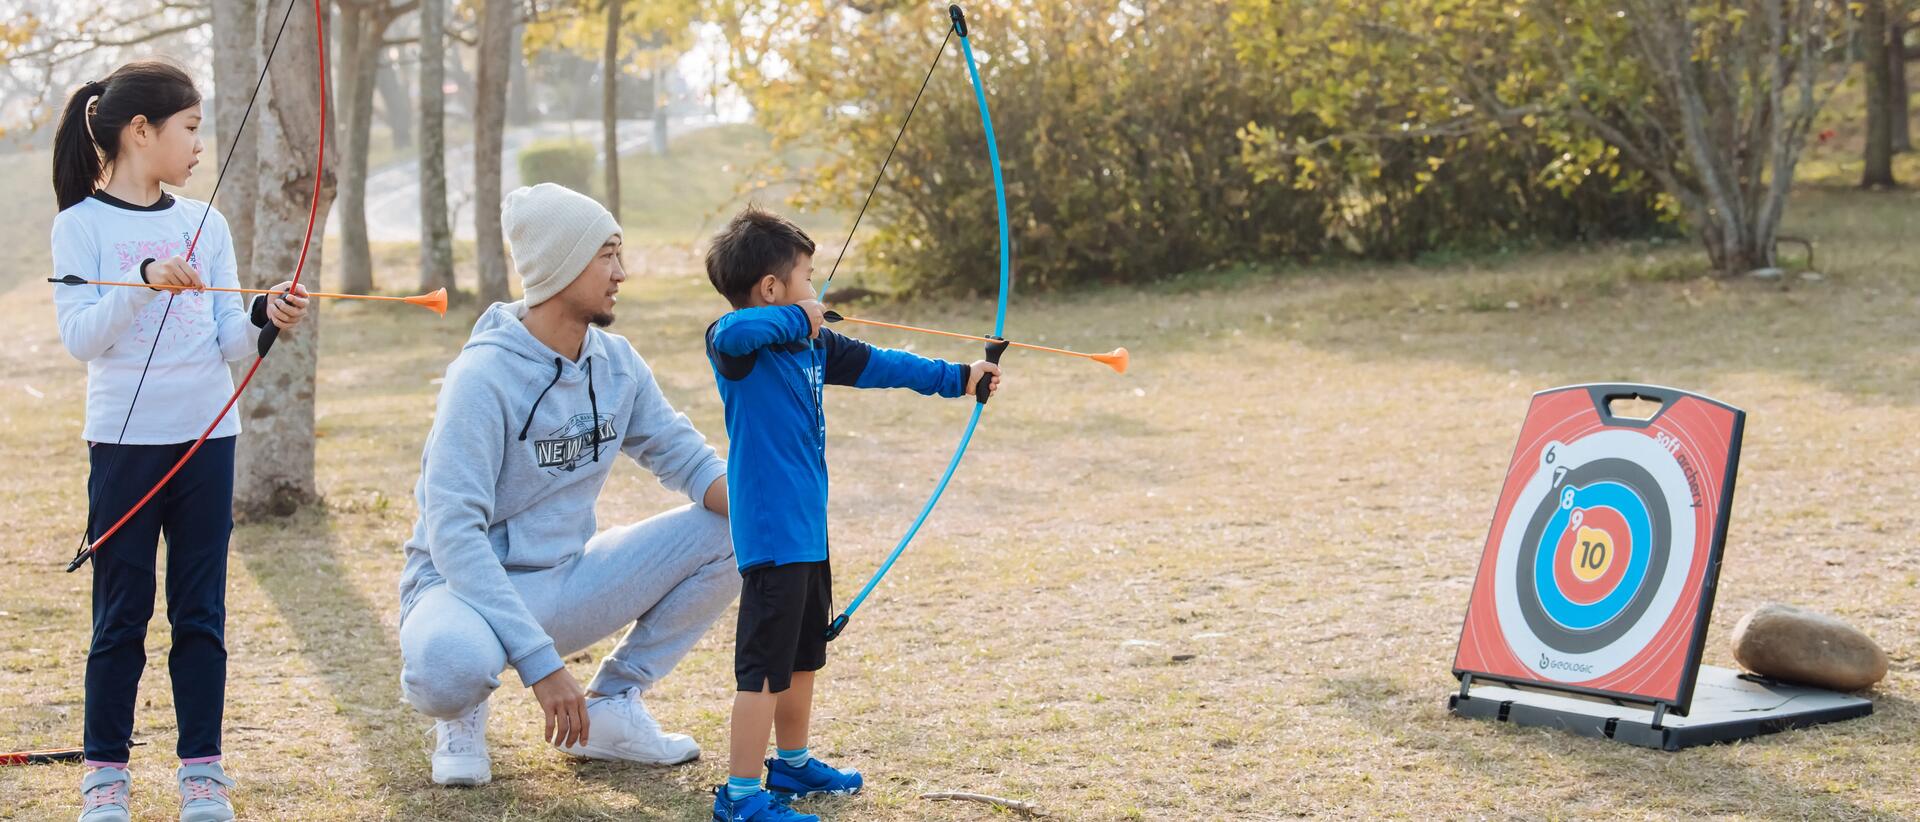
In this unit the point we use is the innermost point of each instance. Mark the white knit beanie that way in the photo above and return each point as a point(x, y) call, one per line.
point(553, 233)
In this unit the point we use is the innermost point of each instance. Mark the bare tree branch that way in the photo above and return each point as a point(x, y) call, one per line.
point(52, 48)
point(1023, 808)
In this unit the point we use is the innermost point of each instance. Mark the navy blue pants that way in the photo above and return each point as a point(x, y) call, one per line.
point(195, 513)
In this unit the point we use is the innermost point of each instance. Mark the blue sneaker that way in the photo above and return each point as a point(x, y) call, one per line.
point(757, 807)
point(815, 778)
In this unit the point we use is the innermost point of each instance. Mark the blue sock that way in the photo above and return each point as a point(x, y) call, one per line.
point(795, 758)
point(739, 788)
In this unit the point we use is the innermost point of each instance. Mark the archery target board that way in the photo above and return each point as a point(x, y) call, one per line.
point(1598, 572)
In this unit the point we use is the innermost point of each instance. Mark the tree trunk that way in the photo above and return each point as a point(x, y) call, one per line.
point(489, 126)
point(436, 231)
point(396, 107)
point(658, 107)
point(457, 69)
point(1899, 101)
point(1733, 254)
point(1877, 67)
point(361, 29)
point(580, 99)
point(520, 108)
point(274, 472)
point(236, 66)
point(610, 108)
point(660, 129)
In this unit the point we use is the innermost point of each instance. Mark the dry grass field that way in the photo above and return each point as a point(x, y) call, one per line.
point(1223, 586)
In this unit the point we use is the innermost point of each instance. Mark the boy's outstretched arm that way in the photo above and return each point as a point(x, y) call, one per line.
point(746, 330)
point(854, 362)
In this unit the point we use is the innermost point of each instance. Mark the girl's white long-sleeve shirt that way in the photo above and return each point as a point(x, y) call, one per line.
point(112, 328)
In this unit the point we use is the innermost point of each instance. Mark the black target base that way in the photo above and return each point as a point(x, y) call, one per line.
point(1727, 706)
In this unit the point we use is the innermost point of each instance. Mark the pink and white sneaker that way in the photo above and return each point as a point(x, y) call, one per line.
point(204, 793)
point(103, 795)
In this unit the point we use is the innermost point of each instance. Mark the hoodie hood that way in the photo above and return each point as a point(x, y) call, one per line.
point(503, 326)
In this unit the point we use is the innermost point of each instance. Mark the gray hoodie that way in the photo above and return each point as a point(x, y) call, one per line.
point(521, 444)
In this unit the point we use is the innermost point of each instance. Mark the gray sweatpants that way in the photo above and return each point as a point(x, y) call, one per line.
point(669, 577)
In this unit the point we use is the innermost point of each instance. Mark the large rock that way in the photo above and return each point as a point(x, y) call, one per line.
point(1796, 645)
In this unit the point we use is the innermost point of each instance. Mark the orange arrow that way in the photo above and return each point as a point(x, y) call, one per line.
point(1115, 359)
point(435, 302)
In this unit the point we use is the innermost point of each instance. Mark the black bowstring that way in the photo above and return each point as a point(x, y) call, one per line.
point(93, 511)
point(877, 178)
point(819, 381)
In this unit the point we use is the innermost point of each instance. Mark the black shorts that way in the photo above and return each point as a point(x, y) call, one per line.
point(784, 612)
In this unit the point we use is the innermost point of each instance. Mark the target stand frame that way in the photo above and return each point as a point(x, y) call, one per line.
point(1662, 487)
point(1728, 706)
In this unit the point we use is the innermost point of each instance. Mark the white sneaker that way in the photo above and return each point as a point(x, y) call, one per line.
point(460, 749)
point(103, 795)
point(204, 793)
point(620, 728)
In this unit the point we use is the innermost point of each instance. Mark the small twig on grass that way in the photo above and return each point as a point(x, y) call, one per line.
point(1015, 805)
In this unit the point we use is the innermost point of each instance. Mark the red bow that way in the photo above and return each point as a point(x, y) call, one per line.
point(271, 331)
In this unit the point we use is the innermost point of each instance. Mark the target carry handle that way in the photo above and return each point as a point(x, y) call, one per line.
point(984, 390)
point(1605, 395)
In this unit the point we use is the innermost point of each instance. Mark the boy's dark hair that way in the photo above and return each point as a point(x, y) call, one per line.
point(153, 88)
point(755, 243)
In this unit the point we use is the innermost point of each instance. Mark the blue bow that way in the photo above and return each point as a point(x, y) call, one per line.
point(982, 392)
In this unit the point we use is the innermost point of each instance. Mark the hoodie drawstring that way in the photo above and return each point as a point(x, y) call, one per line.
point(593, 403)
point(543, 395)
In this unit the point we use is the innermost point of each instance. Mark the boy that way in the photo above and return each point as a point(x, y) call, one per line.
point(771, 358)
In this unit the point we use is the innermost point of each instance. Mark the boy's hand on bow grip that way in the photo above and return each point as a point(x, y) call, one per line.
point(983, 369)
point(816, 316)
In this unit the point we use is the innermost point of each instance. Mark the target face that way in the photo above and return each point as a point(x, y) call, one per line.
point(1597, 573)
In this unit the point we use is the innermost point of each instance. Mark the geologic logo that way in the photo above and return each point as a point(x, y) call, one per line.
point(1549, 663)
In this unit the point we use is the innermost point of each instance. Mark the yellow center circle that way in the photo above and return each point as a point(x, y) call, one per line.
point(1592, 553)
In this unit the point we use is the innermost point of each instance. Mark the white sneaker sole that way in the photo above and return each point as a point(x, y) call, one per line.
point(207, 814)
point(462, 774)
point(592, 751)
point(795, 797)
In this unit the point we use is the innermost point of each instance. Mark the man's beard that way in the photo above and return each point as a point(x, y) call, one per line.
point(601, 319)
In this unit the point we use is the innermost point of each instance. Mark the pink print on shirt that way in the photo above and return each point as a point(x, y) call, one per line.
point(191, 319)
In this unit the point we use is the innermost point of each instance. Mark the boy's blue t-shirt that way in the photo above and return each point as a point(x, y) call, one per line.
point(770, 378)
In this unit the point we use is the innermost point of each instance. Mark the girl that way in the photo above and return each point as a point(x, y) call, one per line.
point(119, 140)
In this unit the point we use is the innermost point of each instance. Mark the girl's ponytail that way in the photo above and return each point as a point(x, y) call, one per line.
point(89, 134)
point(76, 157)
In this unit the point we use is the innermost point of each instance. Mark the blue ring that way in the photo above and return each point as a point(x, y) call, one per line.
point(1572, 615)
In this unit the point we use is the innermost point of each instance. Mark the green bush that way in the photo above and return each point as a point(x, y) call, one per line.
point(567, 162)
point(1126, 150)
